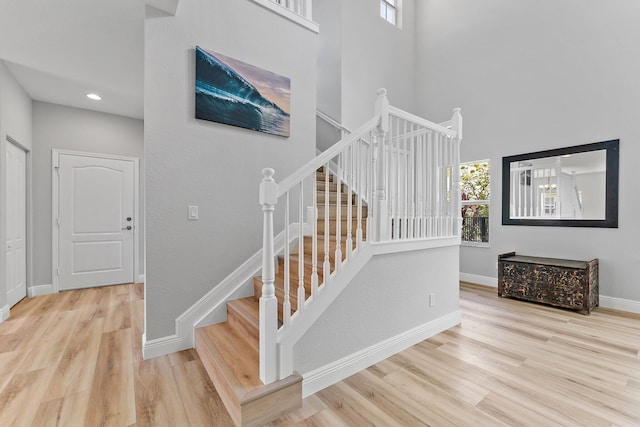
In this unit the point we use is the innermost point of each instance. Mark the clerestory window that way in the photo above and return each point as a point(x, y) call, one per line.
point(390, 11)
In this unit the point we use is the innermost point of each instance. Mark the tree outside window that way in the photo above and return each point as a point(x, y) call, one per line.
point(475, 189)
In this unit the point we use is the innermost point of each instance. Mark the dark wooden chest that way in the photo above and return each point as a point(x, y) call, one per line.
point(558, 282)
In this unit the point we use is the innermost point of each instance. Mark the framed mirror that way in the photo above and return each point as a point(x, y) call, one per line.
point(566, 187)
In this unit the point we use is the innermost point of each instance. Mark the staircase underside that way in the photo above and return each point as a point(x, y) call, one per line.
point(230, 350)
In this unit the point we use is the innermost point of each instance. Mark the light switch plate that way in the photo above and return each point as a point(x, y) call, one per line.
point(193, 212)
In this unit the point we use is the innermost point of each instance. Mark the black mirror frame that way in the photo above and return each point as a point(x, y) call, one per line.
point(611, 209)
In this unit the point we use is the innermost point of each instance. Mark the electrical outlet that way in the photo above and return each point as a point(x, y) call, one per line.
point(432, 300)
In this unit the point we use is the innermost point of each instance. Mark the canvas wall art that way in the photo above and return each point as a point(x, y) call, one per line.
point(235, 93)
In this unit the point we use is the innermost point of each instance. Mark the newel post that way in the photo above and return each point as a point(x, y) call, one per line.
point(456, 126)
point(380, 217)
point(268, 300)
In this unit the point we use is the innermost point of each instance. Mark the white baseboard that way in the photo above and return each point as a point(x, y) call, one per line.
point(34, 291)
point(327, 375)
point(613, 303)
point(4, 313)
point(140, 279)
point(161, 346)
point(628, 305)
point(479, 280)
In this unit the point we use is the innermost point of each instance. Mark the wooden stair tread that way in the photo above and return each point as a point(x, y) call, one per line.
point(244, 316)
point(248, 307)
point(233, 365)
point(225, 344)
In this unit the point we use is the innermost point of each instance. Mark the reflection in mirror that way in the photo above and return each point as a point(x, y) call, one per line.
point(570, 186)
point(566, 187)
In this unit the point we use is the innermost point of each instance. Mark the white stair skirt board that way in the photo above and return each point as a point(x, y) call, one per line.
point(4, 313)
point(215, 298)
point(613, 303)
point(334, 372)
point(34, 291)
point(479, 280)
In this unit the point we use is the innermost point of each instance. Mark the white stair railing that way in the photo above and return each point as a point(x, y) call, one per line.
point(300, 7)
point(396, 178)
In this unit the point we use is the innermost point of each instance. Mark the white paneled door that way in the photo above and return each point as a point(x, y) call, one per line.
point(16, 190)
point(96, 221)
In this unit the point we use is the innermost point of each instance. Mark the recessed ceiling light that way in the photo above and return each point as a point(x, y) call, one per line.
point(94, 96)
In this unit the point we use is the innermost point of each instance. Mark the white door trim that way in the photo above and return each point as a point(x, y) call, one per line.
point(55, 163)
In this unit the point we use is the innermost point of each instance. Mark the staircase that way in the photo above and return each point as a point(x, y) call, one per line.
point(390, 186)
point(230, 350)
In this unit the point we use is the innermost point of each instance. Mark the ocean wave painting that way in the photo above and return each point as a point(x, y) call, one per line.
point(235, 93)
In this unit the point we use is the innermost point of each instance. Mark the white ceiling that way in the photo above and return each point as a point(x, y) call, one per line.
point(59, 50)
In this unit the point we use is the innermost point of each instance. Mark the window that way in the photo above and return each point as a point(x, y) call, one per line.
point(390, 11)
point(475, 189)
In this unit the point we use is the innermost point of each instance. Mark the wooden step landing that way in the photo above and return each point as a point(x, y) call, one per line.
point(233, 365)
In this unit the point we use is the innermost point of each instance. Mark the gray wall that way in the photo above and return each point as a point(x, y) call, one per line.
point(375, 54)
point(15, 121)
point(328, 14)
point(534, 75)
point(386, 298)
point(360, 53)
point(67, 128)
point(214, 166)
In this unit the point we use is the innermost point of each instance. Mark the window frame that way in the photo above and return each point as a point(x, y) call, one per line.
point(396, 7)
point(477, 202)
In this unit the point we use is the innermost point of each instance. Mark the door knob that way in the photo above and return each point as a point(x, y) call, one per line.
point(128, 227)
point(128, 218)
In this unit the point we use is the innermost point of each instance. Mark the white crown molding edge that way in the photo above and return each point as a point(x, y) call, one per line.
point(334, 372)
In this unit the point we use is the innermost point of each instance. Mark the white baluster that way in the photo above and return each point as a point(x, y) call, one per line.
point(308, 13)
point(268, 302)
point(412, 182)
point(405, 179)
point(301, 292)
point(350, 180)
point(326, 266)
point(361, 173)
point(314, 238)
point(395, 140)
point(286, 305)
point(338, 251)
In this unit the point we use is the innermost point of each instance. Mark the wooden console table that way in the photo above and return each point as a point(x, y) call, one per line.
point(558, 282)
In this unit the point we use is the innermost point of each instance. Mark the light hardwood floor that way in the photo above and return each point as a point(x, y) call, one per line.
point(74, 359)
